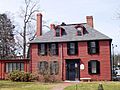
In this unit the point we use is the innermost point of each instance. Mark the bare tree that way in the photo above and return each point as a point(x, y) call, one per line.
point(27, 13)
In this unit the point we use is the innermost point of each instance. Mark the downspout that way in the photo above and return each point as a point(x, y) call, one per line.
point(111, 66)
point(62, 62)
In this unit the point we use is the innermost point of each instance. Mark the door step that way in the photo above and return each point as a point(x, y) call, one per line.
point(72, 81)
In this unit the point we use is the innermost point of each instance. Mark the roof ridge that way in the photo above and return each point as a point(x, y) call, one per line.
point(71, 24)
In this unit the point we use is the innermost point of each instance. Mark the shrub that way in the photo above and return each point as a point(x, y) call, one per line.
point(21, 76)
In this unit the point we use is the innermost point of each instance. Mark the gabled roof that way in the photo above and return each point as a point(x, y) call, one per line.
point(70, 30)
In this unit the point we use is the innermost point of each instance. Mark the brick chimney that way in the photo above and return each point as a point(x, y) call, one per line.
point(90, 21)
point(39, 24)
point(52, 26)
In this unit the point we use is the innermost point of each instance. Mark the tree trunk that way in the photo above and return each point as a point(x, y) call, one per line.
point(24, 42)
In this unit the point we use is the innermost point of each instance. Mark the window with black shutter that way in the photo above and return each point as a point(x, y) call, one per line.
point(94, 67)
point(72, 48)
point(54, 67)
point(53, 48)
point(42, 49)
point(93, 47)
point(43, 67)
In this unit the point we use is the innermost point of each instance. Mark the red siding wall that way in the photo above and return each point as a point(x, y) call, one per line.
point(103, 57)
point(3, 74)
point(37, 58)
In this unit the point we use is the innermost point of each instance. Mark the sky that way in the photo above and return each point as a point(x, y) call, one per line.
point(104, 12)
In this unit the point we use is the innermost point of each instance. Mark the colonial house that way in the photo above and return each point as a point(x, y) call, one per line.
point(67, 51)
point(71, 51)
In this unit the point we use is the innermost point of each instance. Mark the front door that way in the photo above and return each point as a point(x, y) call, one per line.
point(72, 70)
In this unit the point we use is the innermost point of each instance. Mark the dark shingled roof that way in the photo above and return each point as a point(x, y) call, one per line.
point(70, 30)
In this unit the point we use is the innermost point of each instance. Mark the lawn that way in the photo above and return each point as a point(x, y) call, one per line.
point(94, 86)
point(9, 85)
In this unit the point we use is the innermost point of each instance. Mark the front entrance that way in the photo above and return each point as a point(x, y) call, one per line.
point(72, 70)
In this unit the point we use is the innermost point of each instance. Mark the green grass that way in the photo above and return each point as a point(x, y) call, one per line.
point(9, 85)
point(94, 86)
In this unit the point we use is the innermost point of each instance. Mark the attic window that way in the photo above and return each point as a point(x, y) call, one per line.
point(58, 32)
point(79, 31)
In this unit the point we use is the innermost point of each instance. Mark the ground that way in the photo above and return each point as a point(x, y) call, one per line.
point(9, 85)
point(94, 86)
point(63, 85)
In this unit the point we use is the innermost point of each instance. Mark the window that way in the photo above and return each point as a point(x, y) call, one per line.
point(53, 49)
point(14, 66)
point(58, 32)
point(72, 48)
point(94, 67)
point(43, 67)
point(79, 31)
point(42, 49)
point(93, 47)
point(54, 67)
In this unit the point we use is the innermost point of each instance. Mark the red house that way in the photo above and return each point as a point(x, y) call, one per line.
point(67, 51)
point(71, 51)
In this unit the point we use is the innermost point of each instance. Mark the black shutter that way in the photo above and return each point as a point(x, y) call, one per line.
point(76, 48)
point(98, 67)
point(38, 49)
point(97, 46)
point(49, 49)
point(68, 48)
point(89, 67)
point(89, 47)
point(57, 49)
point(46, 49)
point(51, 69)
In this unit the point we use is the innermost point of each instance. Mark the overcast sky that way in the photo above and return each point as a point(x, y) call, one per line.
point(104, 13)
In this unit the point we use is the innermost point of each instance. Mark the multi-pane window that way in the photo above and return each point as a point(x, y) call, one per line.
point(79, 31)
point(72, 48)
point(43, 67)
point(42, 49)
point(93, 47)
point(53, 49)
point(14, 66)
point(58, 32)
point(94, 67)
point(54, 67)
point(46, 68)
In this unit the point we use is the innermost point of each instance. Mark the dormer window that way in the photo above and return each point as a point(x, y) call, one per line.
point(58, 30)
point(79, 31)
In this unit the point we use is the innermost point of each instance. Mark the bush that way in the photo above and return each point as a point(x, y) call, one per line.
point(49, 78)
point(21, 76)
